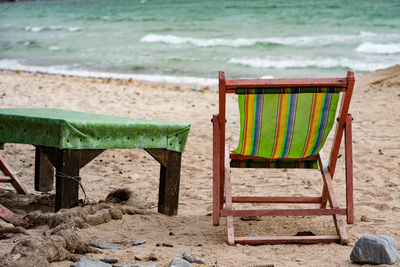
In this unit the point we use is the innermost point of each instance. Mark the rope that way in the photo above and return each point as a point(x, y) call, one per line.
point(77, 179)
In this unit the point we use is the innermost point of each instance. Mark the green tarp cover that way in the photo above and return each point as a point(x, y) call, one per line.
point(78, 130)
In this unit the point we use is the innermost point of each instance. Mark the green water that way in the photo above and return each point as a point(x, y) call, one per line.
point(189, 41)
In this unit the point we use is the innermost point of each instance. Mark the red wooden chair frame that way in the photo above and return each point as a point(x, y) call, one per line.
point(222, 196)
point(10, 177)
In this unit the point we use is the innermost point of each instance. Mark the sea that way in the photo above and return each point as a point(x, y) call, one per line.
point(188, 41)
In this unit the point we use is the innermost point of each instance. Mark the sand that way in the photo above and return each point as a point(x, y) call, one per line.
point(376, 126)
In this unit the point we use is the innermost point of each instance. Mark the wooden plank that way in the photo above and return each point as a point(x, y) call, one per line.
point(228, 199)
point(230, 230)
point(168, 194)
point(158, 154)
point(15, 182)
point(5, 179)
point(283, 212)
point(67, 178)
point(337, 218)
point(349, 170)
point(228, 184)
point(44, 172)
point(281, 83)
point(216, 170)
point(10, 217)
point(87, 155)
point(294, 200)
point(344, 109)
point(222, 120)
point(287, 239)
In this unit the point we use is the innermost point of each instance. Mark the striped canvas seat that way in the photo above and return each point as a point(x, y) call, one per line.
point(285, 125)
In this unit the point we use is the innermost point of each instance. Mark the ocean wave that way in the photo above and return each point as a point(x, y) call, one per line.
point(318, 40)
point(14, 65)
point(54, 48)
point(53, 28)
point(323, 63)
point(392, 48)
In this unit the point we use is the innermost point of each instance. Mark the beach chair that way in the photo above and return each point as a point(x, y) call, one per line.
point(284, 124)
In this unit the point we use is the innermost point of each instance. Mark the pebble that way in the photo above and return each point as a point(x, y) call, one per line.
point(253, 234)
point(171, 234)
point(177, 262)
point(167, 245)
point(381, 152)
point(250, 218)
point(186, 256)
point(109, 260)
point(102, 245)
point(138, 242)
point(371, 249)
point(365, 218)
point(90, 262)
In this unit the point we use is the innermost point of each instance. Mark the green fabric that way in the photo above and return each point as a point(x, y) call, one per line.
point(301, 132)
point(78, 130)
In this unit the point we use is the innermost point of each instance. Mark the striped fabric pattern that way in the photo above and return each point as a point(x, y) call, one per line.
point(274, 163)
point(290, 90)
point(277, 126)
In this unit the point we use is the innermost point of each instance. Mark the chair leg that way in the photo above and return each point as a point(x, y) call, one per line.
point(6, 169)
point(333, 203)
point(228, 199)
point(216, 170)
point(349, 170)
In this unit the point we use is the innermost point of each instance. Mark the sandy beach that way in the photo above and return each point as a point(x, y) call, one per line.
point(376, 143)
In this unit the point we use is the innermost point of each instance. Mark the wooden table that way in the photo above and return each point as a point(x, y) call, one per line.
point(68, 140)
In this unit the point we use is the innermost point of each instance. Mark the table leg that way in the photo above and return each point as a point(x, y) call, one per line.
point(168, 192)
point(67, 178)
point(44, 172)
point(67, 164)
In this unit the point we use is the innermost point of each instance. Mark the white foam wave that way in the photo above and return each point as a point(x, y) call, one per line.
point(299, 62)
point(54, 48)
point(34, 29)
point(291, 40)
point(53, 28)
point(391, 48)
point(74, 29)
point(11, 64)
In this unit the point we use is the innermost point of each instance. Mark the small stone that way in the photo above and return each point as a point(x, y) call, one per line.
point(90, 262)
point(177, 262)
point(167, 245)
point(250, 218)
point(171, 234)
point(158, 244)
point(109, 260)
point(186, 256)
point(371, 249)
point(365, 218)
point(381, 152)
point(138, 242)
point(253, 234)
point(199, 261)
point(98, 244)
